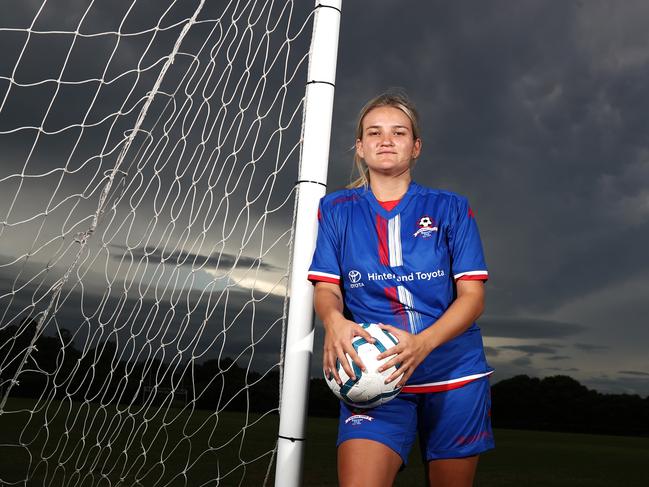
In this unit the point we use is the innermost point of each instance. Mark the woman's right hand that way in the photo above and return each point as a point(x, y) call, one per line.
point(339, 331)
point(339, 334)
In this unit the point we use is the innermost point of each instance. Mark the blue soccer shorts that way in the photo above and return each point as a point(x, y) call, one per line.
point(451, 424)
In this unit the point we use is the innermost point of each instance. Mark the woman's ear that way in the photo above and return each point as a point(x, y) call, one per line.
point(416, 150)
point(359, 149)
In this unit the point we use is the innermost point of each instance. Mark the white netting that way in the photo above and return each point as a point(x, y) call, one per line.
point(149, 151)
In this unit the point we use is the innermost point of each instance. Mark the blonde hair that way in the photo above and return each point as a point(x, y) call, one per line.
point(395, 99)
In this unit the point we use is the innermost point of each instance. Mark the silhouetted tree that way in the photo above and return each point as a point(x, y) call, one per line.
point(560, 403)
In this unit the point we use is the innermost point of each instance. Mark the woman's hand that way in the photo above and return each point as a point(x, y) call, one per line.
point(408, 354)
point(338, 338)
point(339, 331)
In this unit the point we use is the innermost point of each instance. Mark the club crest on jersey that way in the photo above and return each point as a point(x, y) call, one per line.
point(426, 226)
point(357, 419)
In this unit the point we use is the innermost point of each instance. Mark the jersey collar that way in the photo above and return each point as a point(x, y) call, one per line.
point(376, 206)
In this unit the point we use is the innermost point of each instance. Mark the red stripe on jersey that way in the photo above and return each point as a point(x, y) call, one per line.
point(397, 308)
point(476, 277)
point(382, 233)
point(436, 388)
point(447, 385)
point(314, 278)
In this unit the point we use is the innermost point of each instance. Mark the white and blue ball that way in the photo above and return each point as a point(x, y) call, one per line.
point(369, 389)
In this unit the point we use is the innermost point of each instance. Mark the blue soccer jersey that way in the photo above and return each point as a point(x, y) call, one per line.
point(399, 267)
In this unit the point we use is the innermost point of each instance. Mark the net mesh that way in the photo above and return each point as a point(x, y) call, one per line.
point(149, 150)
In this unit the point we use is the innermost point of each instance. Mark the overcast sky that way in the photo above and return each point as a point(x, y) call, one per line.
point(535, 110)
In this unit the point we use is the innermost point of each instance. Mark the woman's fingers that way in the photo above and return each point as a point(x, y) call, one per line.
point(362, 332)
point(392, 329)
point(395, 361)
point(357, 360)
point(402, 374)
point(404, 370)
point(395, 350)
point(344, 363)
point(329, 366)
point(397, 332)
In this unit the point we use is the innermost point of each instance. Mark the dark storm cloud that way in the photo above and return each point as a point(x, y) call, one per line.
point(527, 328)
point(196, 158)
point(235, 324)
point(524, 361)
point(619, 385)
point(530, 349)
point(591, 348)
point(222, 260)
point(491, 351)
point(525, 365)
point(634, 372)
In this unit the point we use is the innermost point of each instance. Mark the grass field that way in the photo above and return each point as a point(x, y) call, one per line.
point(174, 449)
point(521, 458)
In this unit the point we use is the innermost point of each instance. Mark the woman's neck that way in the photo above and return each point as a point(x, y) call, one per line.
point(389, 188)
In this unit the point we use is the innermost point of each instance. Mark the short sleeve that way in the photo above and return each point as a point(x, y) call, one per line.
point(325, 265)
point(467, 256)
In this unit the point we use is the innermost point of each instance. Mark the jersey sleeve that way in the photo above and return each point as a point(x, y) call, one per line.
point(468, 260)
point(325, 265)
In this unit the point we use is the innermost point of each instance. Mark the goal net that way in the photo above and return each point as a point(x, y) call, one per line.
point(149, 154)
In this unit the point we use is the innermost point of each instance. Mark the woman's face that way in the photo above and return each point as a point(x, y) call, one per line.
point(387, 144)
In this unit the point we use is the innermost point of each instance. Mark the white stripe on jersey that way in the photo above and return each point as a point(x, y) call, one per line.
point(431, 386)
point(394, 241)
point(414, 318)
point(471, 273)
point(323, 274)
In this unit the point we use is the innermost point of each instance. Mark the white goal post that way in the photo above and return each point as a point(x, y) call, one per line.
point(311, 187)
point(148, 209)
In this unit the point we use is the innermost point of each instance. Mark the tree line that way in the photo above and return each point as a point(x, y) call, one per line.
point(57, 369)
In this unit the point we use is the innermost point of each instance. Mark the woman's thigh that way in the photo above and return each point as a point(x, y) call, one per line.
point(367, 462)
point(452, 472)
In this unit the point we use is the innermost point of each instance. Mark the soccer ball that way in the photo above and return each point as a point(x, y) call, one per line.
point(369, 389)
point(425, 222)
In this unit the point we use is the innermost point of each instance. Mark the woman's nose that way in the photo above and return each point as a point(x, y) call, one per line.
point(386, 139)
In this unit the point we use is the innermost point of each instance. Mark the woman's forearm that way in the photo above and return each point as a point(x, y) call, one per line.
point(328, 303)
point(459, 316)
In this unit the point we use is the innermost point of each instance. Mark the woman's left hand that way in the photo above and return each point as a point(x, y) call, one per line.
point(408, 354)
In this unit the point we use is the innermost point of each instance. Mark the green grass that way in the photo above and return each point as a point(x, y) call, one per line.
point(179, 441)
point(521, 458)
point(158, 448)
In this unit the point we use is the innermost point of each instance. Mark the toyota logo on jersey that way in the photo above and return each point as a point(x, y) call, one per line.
point(354, 276)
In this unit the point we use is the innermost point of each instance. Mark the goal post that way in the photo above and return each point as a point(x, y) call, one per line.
point(311, 186)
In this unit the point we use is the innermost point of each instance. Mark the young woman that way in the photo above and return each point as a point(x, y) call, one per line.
point(393, 252)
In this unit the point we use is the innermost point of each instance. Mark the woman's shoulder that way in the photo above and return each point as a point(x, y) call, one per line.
point(441, 193)
point(341, 196)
